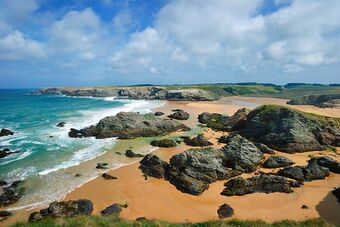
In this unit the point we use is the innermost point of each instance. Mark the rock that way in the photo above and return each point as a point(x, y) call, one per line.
point(198, 141)
point(74, 133)
point(304, 207)
point(264, 148)
point(336, 193)
point(323, 101)
point(113, 209)
point(334, 103)
point(3, 183)
point(179, 115)
point(193, 170)
point(129, 153)
point(163, 143)
point(311, 172)
point(158, 113)
point(192, 94)
point(5, 153)
point(5, 213)
point(77, 175)
point(141, 219)
point(11, 193)
point(6, 132)
point(238, 119)
point(223, 139)
point(214, 121)
point(264, 183)
point(225, 211)
point(61, 124)
point(328, 162)
point(289, 130)
point(277, 161)
point(64, 209)
point(153, 166)
point(107, 176)
point(127, 125)
point(102, 165)
point(241, 154)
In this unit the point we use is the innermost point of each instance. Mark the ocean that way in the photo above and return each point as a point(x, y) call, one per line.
point(45, 157)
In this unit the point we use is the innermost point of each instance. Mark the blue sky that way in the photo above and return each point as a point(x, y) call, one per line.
point(108, 42)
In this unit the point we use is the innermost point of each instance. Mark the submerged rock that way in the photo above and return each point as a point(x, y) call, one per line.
point(129, 153)
point(290, 130)
point(264, 183)
point(63, 209)
point(153, 166)
point(127, 125)
point(6, 132)
point(113, 209)
point(61, 124)
point(277, 161)
point(241, 154)
point(5, 152)
point(198, 141)
point(102, 165)
point(11, 193)
point(163, 143)
point(225, 211)
point(179, 115)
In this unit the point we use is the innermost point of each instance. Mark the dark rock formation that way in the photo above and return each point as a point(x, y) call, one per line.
point(102, 165)
point(241, 154)
point(225, 211)
point(214, 121)
point(141, 219)
point(163, 143)
point(153, 166)
point(238, 119)
point(198, 141)
point(127, 125)
point(63, 209)
point(108, 176)
point(323, 101)
point(179, 115)
point(193, 170)
point(336, 193)
point(158, 113)
point(11, 193)
point(5, 152)
point(277, 161)
point(6, 132)
point(328, 162)
point(264, 148)
point(113, 209)
point(311, 172)
point(304, 207)
point(289, 130)
point(5, 214)
point(61, 124)
point(129, 153)
point(75, 133)
point(264, 183)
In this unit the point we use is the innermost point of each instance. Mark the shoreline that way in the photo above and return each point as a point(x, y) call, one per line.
point(145, 198)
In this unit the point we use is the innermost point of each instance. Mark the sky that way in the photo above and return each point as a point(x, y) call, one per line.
point(124, 42)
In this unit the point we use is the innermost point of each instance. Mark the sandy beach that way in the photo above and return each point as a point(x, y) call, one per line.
point(158, 199)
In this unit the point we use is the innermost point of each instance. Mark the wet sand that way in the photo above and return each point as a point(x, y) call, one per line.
point(158, 199)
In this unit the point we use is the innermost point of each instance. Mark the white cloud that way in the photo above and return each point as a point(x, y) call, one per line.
point(16, 46)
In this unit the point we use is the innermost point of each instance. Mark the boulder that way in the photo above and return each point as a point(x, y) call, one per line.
point(75, 133)
point(264, 148)
point(328, 162)
point(64, 209)
point(6, 132)
point(102, 165)
point(129, 153)
point(198, 141)
point(214, 121)
point(163, 143)
point(264, 183)
point(127, 125)
point(113, 209)
point(153, 166)
point(179, 115)
point(158, 113)
point(11, 193)
point(241, 154)
point(5, 214)
point(277, 161)
point(289, 130)
point(336, 193)
point(238, 119)
point(225, 211)
point(61, 124)
point(311, 172)
point(108, 176)
point(5, 152)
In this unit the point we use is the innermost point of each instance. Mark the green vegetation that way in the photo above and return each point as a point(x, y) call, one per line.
point(113, 221)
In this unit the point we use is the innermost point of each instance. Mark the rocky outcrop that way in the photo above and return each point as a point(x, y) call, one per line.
point(129, 153)
point(5, 152)
point(179, 115)
point(277, 161)
point(311, 172)
point(214, 121)
point(127, 125)
point(163, 143)
point(61, 124)
point(289, 130)
point(328, 162)
point(225, 211)
point(323, 101)
point(241, 154)
point(11, 193)
point(189, 94)
point(198, 141)
point(113, 209)
point(6, 132)
point(264, 183)
point(153, 166)
point(264, 148)
point(64, 209)
point(158, 113)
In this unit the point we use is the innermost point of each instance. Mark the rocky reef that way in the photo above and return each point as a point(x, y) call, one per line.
point(127, 125)
point(6, 132)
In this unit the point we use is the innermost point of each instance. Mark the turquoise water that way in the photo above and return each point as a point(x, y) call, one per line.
point(42, 149)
